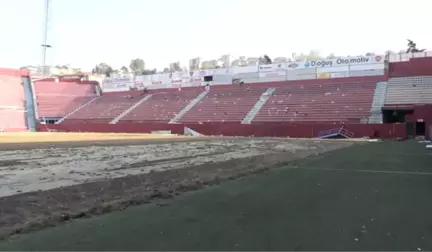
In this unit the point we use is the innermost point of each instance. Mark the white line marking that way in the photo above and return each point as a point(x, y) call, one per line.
point(365, 171)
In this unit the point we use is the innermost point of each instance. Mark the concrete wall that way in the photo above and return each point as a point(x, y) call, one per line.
point(258, 130)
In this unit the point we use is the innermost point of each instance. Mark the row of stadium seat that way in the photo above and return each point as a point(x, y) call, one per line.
point(333, 102)
point(55, 100)
point(348, 100)
point(409, 90)
point(225, 105)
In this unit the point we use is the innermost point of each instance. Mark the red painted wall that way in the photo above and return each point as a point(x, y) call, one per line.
point(109, 128)
point(413, 67)
point(14, 72)
point(269, 130)
point(12, 100)
point(299, 130)
point(422, 112)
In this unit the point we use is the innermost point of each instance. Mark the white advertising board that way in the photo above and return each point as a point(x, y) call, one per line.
point(118, 84)
point(278, 67)
point(245, 69)
point(272, 74)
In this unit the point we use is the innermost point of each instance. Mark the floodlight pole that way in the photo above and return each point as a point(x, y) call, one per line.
point(45, 36)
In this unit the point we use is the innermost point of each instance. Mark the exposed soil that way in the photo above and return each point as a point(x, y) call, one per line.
point(95, 180)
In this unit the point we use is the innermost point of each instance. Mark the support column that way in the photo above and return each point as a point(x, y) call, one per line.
point(29, 104)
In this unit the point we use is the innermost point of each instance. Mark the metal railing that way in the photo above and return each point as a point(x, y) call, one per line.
point(341, 131)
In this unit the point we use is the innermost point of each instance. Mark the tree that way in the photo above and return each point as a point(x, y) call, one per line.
point(280, 60)
point(265, 60)
point(148, 72)
point(137, 66)
point(175, 67)
point(102, 68)
point(235, 63)
point(331, 56)
point(124, 69)
point(313, 55)
point(412, 47)
point(388, 52)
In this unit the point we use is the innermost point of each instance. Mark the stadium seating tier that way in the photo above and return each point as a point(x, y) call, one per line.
point(57, 99)
point(299, 101)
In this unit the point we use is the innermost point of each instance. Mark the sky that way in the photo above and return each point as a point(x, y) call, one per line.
point(84, 33)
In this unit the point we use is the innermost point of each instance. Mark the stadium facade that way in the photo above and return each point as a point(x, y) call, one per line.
point(373, 96)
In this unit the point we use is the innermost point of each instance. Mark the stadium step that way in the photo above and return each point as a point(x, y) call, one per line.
point(189, 107)
point(75, 110)
point(127, 111)
point(97, 90)
point(190, 132)
point(378, 103)
point(258, 105)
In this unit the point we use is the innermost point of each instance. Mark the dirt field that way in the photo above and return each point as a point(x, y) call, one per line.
point(59, 181)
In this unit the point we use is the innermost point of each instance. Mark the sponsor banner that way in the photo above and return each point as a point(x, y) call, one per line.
point(176, 81)
point(362, 60)
point(197, 79)
point(119, 81)
point(140, 85)
point(302, 77)
point(201, 73)
point(294, 65)
point(272, 67)
point(372, 72)
point(195, 73)
point(245, 69)
point(118, 84)
point(157, 86)
point(323, 76)
point(143, 78)
point(335, 69)
point(366, 67)
point(109, 90)
point(340, 75)
point(222, 71)
point(185, 79)
point(332, 75)
point(204, 73)
point(272, 74)
point(175, 75)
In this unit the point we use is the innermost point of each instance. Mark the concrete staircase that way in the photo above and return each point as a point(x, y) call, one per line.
point(189, 106)
point(127, 111)
point(190, 132)
point(258, 105)
point(75, 110)
point(378, 103)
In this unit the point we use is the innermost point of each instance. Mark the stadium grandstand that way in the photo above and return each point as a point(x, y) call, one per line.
point(371, 96)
